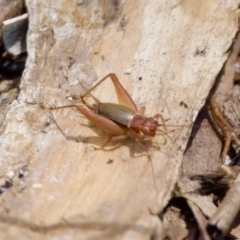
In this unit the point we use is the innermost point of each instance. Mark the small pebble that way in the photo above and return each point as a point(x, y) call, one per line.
point(128, 70)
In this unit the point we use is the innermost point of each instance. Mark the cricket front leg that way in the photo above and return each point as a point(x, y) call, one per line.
point(123, 96)
point(157, 116)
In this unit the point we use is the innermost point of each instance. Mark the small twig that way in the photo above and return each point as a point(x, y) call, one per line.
point(223, 219)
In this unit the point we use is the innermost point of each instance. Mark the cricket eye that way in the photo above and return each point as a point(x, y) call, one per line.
point(145, 130)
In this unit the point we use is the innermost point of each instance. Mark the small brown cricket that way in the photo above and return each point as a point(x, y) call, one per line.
point(121, 120)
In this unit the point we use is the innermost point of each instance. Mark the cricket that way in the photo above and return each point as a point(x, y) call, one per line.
point(123, 120)
point(120, 121)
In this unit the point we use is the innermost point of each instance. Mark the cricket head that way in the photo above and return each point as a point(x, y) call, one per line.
point(149, 127)
point(143, 124)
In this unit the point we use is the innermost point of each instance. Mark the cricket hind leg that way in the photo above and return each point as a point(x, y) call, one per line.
point(123, 97)
point(98, 120)
point(117, 138)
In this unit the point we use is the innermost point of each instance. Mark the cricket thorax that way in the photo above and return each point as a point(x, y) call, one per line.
point(141, 123)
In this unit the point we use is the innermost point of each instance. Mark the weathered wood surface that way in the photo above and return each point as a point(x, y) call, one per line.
point(166, 54)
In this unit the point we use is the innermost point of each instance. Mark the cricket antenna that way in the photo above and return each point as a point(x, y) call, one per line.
point(164, 132)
